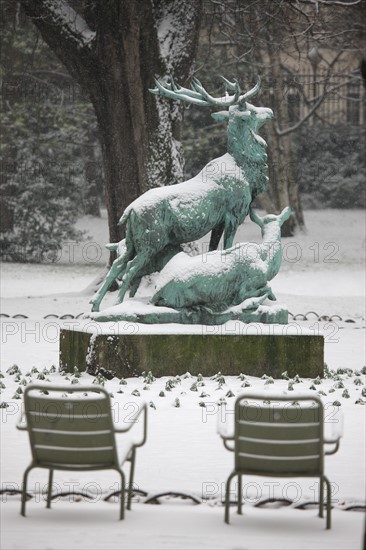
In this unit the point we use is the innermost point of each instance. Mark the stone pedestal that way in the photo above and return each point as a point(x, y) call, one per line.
point(252, 350)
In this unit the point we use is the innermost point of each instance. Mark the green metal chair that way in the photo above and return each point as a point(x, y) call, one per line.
point(76, 433)
point(279, 436)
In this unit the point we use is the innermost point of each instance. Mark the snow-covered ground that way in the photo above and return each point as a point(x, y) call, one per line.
point(322, 272)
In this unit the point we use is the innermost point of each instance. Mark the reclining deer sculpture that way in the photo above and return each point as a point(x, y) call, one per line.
point(216, 200)
point(226, 278)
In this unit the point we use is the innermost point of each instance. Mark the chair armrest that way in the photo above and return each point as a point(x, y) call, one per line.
point(22, 424)
point(334, 442)
point(226, 433)
point(227, 445)
point(335, 434)
point(133, 420)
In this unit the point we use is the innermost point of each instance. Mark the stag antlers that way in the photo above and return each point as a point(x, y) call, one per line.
point(197, 95)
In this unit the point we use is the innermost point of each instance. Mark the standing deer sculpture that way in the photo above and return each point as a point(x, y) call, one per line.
point(225, 278)
point(217, 199)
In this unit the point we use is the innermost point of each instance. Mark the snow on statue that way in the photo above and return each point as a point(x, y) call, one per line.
point(215, 287)
point(218, 199)
point(228, 277)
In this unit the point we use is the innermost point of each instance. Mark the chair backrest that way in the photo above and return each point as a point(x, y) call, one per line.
point(281, 436)
point(73, 432)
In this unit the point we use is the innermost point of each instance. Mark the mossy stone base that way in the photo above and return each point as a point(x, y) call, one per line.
point(175, 354)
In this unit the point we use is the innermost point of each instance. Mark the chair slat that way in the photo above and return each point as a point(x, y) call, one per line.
point(68, 422)
point(262, 447)
point(278, 431)
point(268, 465)
point(278, 412)
point(59, 455)
point(83, 439)
point(87, 406)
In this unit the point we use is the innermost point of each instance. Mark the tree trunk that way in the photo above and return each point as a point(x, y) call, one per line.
point(6, 217)
point(283, 185)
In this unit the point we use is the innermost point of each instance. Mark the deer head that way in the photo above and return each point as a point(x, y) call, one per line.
point(244, 119)
point(270, 218)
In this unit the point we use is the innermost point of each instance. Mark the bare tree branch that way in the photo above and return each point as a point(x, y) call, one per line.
point(317, 103)
point(331, 2)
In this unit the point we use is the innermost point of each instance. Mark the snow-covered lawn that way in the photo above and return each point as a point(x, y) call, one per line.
point(183, 451)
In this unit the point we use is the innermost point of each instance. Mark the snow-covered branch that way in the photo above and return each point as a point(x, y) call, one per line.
point(69, 22)
point(64, 30)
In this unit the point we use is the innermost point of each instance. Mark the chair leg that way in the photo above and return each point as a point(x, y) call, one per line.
point(321, 496)
point(227, 496)
point(130, 483)
point(122, 509)
point(329, 507)
point(240, 494)
point(24, 490)
point(49, 489)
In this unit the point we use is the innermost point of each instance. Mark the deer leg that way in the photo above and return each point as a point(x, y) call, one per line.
point(270, 294)
point(111, 276)
point(133, 271)
point(157, 263)
point(258, 295)
point(265, 291)
point(117, 269)
point(135, 285)
point(216, 234)
point(231, 225)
